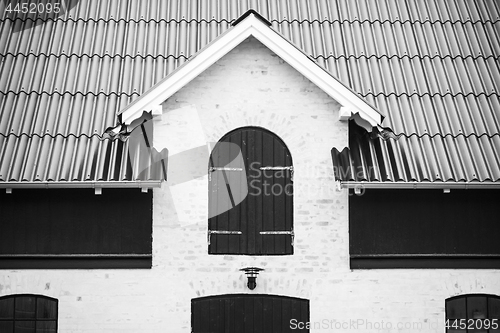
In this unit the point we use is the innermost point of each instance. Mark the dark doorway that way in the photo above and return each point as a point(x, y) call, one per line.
point(249, 313)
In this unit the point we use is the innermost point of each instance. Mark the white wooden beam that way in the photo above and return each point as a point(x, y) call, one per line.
point(344, 113)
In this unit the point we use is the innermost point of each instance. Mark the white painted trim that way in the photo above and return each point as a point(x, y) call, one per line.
point(82, 184)
point(324, 80)
point(251, 26)
point(156, 110)
point(187, 72)
point(420, 185)
point(344, 113)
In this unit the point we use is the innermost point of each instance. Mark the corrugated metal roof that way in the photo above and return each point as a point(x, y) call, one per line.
point(60, 159)
point(418, 158)
point(320, 10)
point(65, 114)
point(433, 67)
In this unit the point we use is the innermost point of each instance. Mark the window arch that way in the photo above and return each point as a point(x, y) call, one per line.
point(250, 194)
point(473, 313)
point(28, 313)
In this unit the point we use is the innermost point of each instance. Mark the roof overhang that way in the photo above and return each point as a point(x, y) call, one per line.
point(251, 24)
point(418, 185)
point(79, 184)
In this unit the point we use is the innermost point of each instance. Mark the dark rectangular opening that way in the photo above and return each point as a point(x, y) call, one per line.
point(74, 228)
point(424, 229)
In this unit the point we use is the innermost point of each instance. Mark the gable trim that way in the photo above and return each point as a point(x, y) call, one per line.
point(252, 24)
point(248, 13)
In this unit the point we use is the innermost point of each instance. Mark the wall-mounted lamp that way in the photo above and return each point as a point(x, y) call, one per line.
point(252, 273)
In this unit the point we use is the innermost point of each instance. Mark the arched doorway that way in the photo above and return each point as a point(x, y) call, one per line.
point(248, 313)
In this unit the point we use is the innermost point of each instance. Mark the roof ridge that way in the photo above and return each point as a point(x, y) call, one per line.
point(253, 12)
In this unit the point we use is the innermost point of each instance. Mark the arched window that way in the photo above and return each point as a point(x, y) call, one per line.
point(28, 313)
point(473, 313)
point(250, 194)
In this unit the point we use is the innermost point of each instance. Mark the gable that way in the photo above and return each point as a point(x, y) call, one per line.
point(252, 24)
point(249, 86)
point(247, 77)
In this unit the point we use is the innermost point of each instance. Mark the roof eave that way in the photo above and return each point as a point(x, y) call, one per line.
point(419, 185)
point(81, 184)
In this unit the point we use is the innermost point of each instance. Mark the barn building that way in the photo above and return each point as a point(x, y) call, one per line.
point(250, 166)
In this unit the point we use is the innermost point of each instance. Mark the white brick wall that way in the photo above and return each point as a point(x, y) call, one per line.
point(251, 87)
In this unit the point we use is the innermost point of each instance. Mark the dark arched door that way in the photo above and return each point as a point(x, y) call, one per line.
point(249, 313)
point(250, 194)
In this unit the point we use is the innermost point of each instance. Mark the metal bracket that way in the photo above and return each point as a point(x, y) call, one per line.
point(338, 186)
point(276, 168)
point(279, 233)
point(231, 232)
point(212, 169)
point(222, 232)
